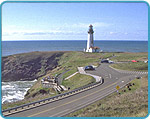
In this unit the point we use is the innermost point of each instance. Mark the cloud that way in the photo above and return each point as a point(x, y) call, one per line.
point(35, 33)
point(66, 28)
point(78, 30)
point(43, 33)
point(95, 24)
point(54, 33)
point(112, 33)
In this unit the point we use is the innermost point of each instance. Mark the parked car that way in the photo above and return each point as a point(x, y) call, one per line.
point(89, 68)
point(111, 61)
point(104, 61)
point(138, 77)
point(145, 61)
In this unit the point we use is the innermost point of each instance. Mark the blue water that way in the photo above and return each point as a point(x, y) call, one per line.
point(14, 47)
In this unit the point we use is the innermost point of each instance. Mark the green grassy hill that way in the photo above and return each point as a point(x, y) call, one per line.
point(36, 65)
point(42, 64)
point(132, 103)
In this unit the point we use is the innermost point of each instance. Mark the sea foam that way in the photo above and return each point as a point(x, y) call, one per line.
point(14, 91)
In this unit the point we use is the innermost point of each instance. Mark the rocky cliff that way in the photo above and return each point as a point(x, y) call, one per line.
point(28, 66)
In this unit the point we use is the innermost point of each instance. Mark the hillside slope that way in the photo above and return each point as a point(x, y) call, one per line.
point(129, 103)
point(28, 66)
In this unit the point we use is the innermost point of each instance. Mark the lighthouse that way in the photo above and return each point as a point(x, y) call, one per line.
point(90, 41)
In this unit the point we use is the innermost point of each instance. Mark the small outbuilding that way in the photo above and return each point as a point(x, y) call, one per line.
point(134, 61)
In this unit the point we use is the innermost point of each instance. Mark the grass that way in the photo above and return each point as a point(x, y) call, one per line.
point(69, 73)
point(28, 66)
point(68, 60)
point(26, 100)
point(133, 103)
point(35, 89)
point(138, 66)
point(77, 81)
point(71, 60)
point(130, 56)
point(74, 82)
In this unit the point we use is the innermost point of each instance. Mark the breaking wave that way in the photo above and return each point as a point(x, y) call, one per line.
point(14, 91)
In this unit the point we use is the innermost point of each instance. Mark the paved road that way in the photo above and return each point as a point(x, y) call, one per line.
point(60, 108)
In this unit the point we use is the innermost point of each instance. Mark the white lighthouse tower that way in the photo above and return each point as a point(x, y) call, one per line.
point(90, 41)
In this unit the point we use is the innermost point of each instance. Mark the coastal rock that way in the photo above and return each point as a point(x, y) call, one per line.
point(29, 66)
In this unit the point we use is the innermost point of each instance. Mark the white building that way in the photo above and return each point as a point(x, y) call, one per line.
point(90, 41)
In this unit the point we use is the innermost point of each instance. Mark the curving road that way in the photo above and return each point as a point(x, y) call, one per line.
point(62, 107)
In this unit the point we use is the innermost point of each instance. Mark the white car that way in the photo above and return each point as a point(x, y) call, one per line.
point(145, 61)
point(111, 61)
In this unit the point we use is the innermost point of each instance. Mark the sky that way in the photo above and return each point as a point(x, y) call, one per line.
point(70, 21)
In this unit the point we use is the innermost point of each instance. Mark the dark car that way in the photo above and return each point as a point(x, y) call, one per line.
point(89, 68)
point(138, 77)
point(105, 61)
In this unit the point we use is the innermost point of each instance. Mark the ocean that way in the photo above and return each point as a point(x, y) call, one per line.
point(15, 47)
point(14, 91)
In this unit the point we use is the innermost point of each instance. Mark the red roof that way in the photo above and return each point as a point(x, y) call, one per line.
point(95, 47)
point(133, 60)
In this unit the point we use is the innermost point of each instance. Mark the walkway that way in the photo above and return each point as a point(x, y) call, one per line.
point(81, 71)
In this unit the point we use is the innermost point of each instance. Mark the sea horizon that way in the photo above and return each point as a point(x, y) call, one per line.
point(16, 47)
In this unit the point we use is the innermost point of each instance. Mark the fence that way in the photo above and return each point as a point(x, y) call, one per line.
point(49, 100)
